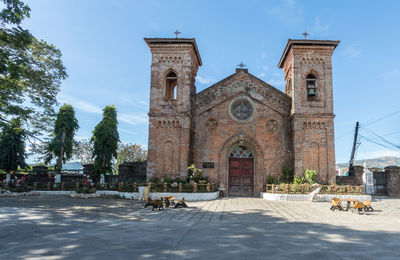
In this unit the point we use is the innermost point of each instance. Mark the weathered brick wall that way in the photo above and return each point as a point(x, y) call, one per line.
point(267, 132)
point(284, 130)
point(312, 121)
point(169, 119)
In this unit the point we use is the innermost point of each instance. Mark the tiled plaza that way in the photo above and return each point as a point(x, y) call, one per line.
point(58, 227)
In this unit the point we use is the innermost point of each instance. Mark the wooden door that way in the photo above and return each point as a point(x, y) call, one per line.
point(241, 177)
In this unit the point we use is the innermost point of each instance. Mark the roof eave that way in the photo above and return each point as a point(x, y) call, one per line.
point(191, 41)
point(292, 42)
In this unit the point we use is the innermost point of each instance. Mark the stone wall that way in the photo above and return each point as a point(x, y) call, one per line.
point(393, 184)
point(132, 172)
point(358, 174)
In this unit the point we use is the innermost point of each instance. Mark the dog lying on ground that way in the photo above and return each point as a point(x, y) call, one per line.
point(156, 204)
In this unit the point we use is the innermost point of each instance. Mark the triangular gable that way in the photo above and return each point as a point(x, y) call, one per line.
point(242, 81)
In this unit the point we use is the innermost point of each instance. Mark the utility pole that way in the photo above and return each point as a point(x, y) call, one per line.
point(353, 151)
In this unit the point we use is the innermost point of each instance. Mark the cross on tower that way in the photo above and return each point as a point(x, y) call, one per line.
point(241, 65)
point(177, 33)
point(305, 34)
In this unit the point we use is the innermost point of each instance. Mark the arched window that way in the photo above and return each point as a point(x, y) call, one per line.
point(241, 152)
point(312, 87)
point(171, 91)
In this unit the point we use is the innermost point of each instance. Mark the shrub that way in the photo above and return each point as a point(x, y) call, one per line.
point(310, 176)
point(271, 179)
point(298, 180)
point(287, 175)
point(195, 174)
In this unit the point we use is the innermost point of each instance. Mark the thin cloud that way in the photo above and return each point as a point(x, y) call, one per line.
point(136, 103)
point(265, 68)
point(204, 80)
point(126, 131)
point(262, 75)
point(391, 74)
point(263, 55)
point(286, 11)
point(278, 83)
point(80, 105)
point(352, 51)
point(143, 102)
point(134, 118)
point(319, 28)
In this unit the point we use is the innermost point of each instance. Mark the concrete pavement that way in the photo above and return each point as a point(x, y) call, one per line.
point(58, 227)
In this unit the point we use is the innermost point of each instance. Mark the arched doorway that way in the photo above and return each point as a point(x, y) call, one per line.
point(241, 172)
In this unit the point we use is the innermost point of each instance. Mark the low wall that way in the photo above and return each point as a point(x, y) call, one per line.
point(196, 196)
point(127, 195)
point(307, 197)
point(52, 192)
point(329, 197)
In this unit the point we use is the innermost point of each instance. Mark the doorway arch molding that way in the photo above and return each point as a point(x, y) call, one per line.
point(225, 151)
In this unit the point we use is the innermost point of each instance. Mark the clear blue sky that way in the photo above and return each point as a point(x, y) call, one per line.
point(109, 63)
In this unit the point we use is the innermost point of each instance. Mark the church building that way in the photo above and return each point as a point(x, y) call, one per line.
point(241, 129)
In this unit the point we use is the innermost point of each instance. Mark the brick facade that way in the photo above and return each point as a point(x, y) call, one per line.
point(282, 129)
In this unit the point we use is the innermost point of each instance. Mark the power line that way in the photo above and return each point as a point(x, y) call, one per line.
point(392, 133)
point(383, 139)
point(383, 145)
point(384, 117)
point(368, 122)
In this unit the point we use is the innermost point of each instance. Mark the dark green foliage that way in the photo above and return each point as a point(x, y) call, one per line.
point(105, 139)
point(14, 12)
point(168, 180)
point(287, 175)
point(12, 146)
point(31, 72)
point(61, 145)
point(271, 180)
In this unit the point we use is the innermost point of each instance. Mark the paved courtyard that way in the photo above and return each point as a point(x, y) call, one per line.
point(58, 227)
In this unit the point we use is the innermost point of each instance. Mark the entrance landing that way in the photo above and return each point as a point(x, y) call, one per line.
point(58, 227)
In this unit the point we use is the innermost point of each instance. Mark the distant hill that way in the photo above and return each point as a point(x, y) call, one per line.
point(72, 166)
point(380, 162)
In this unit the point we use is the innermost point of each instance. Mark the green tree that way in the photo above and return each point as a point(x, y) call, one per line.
point(83, 151)
point(61, 145)
point(12, 146)
point(31, 72)
point(105, 141)
point(129, 153)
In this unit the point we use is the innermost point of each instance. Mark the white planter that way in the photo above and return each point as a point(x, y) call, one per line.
point(200, 196)
point(306, 197)
point(195, 196)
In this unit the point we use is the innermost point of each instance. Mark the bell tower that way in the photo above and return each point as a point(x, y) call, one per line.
point(307, 65)
point(174, 66)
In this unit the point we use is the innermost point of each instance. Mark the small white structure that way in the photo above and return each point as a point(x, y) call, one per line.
point(58, 178)
point(368, 181)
